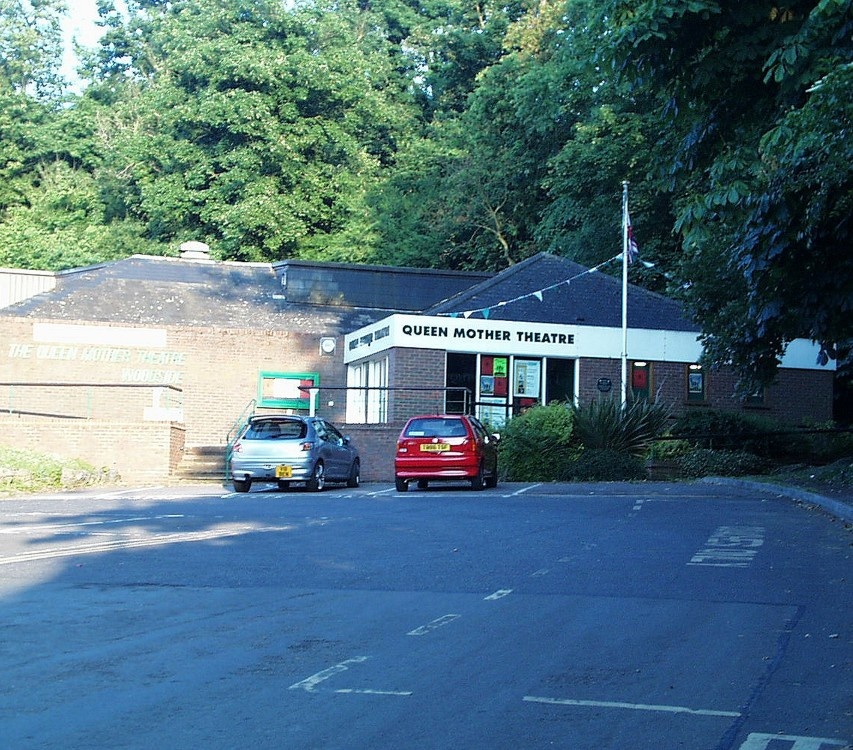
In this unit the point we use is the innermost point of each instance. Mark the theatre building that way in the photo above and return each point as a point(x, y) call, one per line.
point(139, 364)
point(548, 329)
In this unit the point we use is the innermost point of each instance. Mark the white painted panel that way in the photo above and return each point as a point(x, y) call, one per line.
point(73, 333)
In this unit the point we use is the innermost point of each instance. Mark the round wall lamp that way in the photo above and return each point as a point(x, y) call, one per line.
point(327, 345)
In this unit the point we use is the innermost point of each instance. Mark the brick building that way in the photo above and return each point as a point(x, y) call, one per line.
point(130, 365)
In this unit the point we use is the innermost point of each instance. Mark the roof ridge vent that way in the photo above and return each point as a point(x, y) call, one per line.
point(194, 250)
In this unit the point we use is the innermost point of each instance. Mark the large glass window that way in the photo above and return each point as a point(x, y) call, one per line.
point(367, 392)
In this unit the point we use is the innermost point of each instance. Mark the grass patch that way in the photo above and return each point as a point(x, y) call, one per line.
point(30, 471)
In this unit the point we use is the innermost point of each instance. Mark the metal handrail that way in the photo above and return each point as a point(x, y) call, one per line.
point(236, 429)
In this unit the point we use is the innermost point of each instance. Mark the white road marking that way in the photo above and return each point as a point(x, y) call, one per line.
point(629, 706)
point(374, 692)
point(310, 683)
point(82, 524)
point(638, 504)
point(499, 594)
point(524, 489)
point(539, 573)
point(434, 625)
point(756, 741)
point(730, 547)
point(157, 540)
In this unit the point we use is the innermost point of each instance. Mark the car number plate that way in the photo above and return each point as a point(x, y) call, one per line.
point(283, 471)
point(435, 447)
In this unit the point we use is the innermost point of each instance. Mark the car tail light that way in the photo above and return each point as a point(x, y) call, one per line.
point(237, 447)
point(306, 446)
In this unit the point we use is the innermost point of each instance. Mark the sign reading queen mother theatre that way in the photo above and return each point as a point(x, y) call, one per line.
point(516, 337)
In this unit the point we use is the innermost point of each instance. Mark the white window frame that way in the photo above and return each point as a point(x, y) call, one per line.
point(367, 394)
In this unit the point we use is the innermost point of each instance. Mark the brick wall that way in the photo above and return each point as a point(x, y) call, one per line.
point(413, 373)
point(137, 452)
point(376, 445)
point(797, 396)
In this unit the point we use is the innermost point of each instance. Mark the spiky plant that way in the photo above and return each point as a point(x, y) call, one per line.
point(605, 425)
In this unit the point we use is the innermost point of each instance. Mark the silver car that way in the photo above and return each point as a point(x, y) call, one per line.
point(286, 448)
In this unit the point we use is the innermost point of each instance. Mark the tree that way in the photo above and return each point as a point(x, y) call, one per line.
point(754, 104)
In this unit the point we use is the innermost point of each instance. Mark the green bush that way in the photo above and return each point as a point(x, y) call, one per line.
point(536, 445)
point(605, 465)
point(716, 429)
point(605, 425)
point(705, 462)
point(826, 444)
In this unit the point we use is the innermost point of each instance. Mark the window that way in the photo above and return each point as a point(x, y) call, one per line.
point(641, 380)
point(559, 380)
point(367, 392)
point(695, 383)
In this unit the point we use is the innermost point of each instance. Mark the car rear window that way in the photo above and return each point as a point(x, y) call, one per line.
point(275, 430)
point(436, 427)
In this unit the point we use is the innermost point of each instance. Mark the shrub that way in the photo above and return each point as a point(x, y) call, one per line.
point(827, 444)
point(606, 425)
point(605, 465)
point(705, 462)
point(536, 445)
point(733, 431)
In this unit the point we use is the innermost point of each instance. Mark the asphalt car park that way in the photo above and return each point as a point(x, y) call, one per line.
point(576, 616)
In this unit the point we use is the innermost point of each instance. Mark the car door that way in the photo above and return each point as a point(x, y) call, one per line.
point(334, 450)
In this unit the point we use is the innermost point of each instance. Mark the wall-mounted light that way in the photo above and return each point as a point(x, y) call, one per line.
point(327, 345)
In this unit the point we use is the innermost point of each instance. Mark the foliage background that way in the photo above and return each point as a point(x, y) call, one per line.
point(454, 134)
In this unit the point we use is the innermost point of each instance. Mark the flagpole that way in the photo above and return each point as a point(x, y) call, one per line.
point(624, 293)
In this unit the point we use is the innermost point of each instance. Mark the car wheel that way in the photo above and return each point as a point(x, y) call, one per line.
point(318, 478)
point(282, 485)
point(242, 485)
point(354, 474)
point(401, 484)
point(492, 480)
point(422, 484)
point(477, 482)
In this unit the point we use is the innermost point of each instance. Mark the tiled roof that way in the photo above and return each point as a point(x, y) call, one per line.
point(313, 297)
point(294, 296)
point(578, 297)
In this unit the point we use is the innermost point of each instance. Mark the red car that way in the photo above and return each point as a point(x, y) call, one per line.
point(442, 447)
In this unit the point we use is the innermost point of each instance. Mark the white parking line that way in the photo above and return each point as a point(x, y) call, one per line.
point(629, 706)
point(762, 742)
point(309, 684)
point(499, 594)
point(156, 540)
point(524, 489)
point(434, 625)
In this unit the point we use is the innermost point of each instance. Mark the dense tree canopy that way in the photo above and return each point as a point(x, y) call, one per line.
point(455, 134)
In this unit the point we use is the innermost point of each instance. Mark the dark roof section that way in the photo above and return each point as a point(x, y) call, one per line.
point(314, 298)
point(387, 287)
point(580, 297)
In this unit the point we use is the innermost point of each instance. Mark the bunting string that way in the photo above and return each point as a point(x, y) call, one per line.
point(538, 294)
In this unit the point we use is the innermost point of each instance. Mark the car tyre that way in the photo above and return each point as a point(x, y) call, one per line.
point(401, 484)
point(242, 485)
point(478, 482)
point(492, 479)
point(318, 477)
point(422, 484)
point(354, 474)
